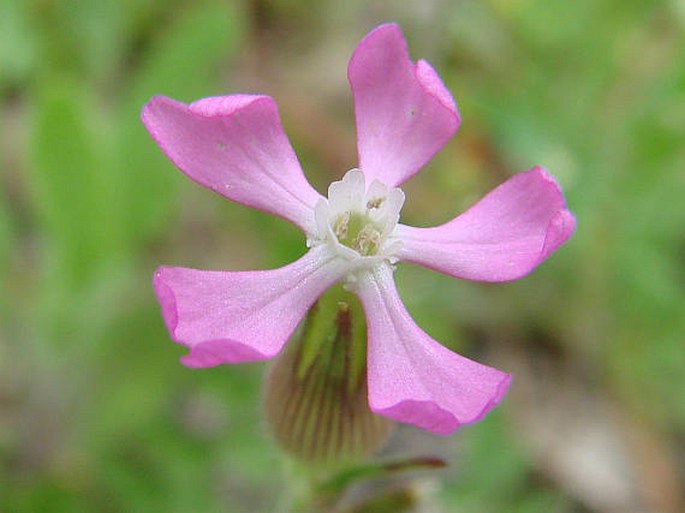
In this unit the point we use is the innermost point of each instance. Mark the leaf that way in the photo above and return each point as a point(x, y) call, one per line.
point(17, 42)
point(5, 251)
point(183, 63)
point(70, 196)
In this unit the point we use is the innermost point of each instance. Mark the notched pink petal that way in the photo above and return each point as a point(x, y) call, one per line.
point(560, 228)
point(433, 84)
point(236, 146)
point(413, 378)
point(403, 111)
point(229, 317)
point(502, 237)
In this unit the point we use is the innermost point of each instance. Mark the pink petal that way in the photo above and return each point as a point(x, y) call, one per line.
point(235, 145)
point(414, 379)
point(404, 112)
point(502, 237)
point(229, 317)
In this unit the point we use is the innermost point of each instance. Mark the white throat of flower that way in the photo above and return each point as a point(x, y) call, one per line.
point(357, 223)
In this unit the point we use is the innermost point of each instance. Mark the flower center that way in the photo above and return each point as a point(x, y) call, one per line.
point(359, 219)
point(357, 232)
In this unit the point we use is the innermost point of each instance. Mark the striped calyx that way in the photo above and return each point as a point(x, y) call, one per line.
point(315, 395)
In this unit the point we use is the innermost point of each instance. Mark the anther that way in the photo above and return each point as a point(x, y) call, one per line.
point(375, 202)
point(341, 225)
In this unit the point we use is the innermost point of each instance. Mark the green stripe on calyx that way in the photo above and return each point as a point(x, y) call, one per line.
point(316, 392)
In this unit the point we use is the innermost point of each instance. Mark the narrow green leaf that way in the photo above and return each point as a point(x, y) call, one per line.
point(70, 198)
point(342, 480)
point(5, 251)
point(17, 43)
point(184, 62)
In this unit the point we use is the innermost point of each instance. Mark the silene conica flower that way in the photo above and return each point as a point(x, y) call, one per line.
point(236, 146)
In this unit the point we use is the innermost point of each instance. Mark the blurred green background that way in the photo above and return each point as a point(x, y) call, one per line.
point(96, 412)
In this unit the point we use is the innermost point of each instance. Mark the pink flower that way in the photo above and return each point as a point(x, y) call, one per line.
point(235, 145)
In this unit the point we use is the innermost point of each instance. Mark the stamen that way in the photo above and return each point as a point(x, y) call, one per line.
point(368, 240)
point(341, 224)
point(375, 202)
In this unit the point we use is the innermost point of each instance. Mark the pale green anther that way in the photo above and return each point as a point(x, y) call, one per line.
point(341, 226)
point(358, 232)
point(375, 202)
